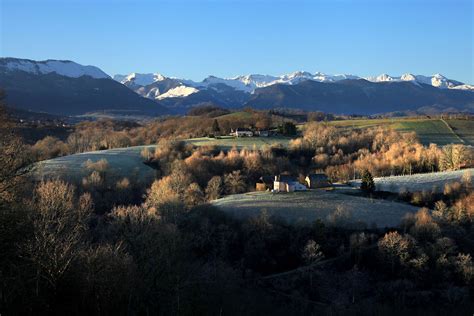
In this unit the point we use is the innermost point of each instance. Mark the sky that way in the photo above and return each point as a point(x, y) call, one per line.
point(193, 39)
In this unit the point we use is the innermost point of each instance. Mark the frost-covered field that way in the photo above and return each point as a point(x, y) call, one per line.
point(418, 182)
point(316, 204)
point(123, 162)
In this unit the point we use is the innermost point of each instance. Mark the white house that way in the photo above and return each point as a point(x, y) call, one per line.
point(284, 183)
point(242, 132)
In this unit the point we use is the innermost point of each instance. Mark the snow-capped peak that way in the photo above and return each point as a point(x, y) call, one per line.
point(297, 74)
point(440, 81)
point(255, 79)
point(249, 83)
point(382, 78)
point(65, 68)
point(436, 80)
point(408, 77)
point(140, 79)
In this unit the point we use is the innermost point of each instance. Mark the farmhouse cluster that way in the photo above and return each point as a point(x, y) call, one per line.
point(287, 183)
point(246, 132)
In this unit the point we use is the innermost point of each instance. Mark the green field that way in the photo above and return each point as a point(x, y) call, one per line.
point(428, 130)
point(316, 204)
point(463, 128)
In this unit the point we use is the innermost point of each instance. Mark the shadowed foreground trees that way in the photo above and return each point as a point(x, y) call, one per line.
point(59, 227)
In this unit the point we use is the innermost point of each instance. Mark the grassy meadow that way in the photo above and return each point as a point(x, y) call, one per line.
point(435, 131)
point(316, 204)
point(430, 182)
point(464, 129)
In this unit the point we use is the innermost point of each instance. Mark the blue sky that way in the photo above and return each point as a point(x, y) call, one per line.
point(192, 39)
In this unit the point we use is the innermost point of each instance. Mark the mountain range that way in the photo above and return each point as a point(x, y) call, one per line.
point(67, 88)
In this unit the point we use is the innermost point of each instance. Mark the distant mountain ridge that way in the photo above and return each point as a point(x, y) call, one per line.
point(61, 67)
point(342, 93)
point(362, 97)
point(67, 88)
point(249, 83)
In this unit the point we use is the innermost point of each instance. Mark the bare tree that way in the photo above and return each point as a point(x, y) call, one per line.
point(214, 188)
point(234, 183)
point(59, 226)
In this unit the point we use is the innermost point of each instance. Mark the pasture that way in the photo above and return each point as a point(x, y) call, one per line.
point(428, 130)
point(433, 182)
point(463, 128)
point(312, 205)
point(123, 162)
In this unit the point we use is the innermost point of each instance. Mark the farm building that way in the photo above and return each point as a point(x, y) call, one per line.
point(263, 133)
point(285, 183)
point(264, 183)
point(242, 132)
point(317, 180)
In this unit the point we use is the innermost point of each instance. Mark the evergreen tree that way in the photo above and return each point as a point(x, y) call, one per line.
point(288, 129)
point(367, 184)
point(215, 127)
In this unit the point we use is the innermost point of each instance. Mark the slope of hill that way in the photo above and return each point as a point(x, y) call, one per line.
point(431, 182)
point(297, 207)
point(428, 130)
point(464, 129)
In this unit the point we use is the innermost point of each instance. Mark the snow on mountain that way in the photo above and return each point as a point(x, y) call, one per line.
point(139, 79)
point(61, 67)
point(248, 83)
point(382, 78)
point(178, 92)
point(464, 87)
point(251, 82)
point(441, 81)
point(436, 80)
point(255, 80)
point(234, 83)
point(321, 77)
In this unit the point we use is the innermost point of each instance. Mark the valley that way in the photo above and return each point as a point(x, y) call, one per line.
point(236, 157)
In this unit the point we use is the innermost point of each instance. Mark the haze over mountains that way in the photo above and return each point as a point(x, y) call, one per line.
point(67, 88)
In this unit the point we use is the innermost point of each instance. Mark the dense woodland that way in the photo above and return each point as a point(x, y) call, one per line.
point(110, 246)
